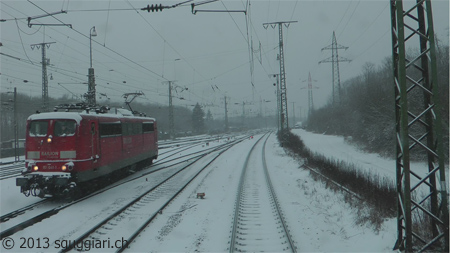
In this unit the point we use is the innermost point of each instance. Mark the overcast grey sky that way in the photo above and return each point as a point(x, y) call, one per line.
point(208, 53)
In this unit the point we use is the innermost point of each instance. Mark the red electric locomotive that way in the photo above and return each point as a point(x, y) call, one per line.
point(65, 149)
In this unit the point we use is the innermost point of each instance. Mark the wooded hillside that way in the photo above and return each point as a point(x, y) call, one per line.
point(366, 113)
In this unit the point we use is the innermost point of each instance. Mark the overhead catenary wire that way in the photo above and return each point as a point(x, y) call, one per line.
point(370, 25)
point(107, 21)
point(21, 41)
point(173, 48)
point(354, 10)
point(58, 70)
point(30, 60)
point(343, 16)
point(55, 31)
point(170, 45)
point(121, 55)
point(82, 75)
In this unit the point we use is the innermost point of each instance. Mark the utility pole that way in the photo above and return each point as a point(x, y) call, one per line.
point(45, 62)
point(335, 59)
point(171, 117)
point(278, 100)
point(91, 95)
point(243, 113)
point(419, 127)
point(260, 107)
point(13, 107)
point(293, 113)
point(16, 130)
point(226, 115)
point(283, 93)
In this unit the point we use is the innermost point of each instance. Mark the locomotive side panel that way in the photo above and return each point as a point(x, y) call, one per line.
point(131, 138)
point(150, 138)
point(84, 152)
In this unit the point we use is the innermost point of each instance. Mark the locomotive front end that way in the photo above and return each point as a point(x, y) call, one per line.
point(50, 156)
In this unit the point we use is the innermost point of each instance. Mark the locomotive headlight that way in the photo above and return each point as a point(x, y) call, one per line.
point(49, 139)
point(35, 168)
point(64, 168)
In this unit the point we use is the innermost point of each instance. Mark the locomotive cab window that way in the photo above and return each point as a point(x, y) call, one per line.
point(65, 128)
point(38, 128)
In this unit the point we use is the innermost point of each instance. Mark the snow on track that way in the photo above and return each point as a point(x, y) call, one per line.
point(257, 214)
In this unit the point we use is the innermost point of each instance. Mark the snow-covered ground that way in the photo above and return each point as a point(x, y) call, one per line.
point(319, 219)
point(336, 147)
point(9, 160)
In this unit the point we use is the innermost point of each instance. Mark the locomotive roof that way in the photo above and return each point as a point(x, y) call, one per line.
point(78, 116)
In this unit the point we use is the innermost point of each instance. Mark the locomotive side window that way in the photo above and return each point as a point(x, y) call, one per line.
point(148, 127)
point(137, 128)
point(126, 128)
point(38, 128)
point(65, 128)
point(131, 128)
point(110, 129)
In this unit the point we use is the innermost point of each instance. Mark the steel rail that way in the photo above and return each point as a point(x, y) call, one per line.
point(238, 198)
point(47, 214)
point(131, 238)
point(274, 196)
point(20, 211)
point(137, 199)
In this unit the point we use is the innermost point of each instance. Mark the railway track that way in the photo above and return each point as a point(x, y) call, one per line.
point(48, 213)
point(258, 216)
point(164, 161)
point(11, 170)
point(149, 204)
point(188, 141)
point(14, 170)
point(21, 211)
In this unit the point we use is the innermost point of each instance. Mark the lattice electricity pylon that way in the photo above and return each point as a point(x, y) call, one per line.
point(226, 115)
point(45, 62)
point(310, 94)
point(335, 59)
point(422, 205)
point(284, 124)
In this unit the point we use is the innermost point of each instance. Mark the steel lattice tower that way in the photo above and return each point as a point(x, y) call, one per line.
point(226, 116)
point(422, 205)
point(310, 96)
point(44, 73)
point(335, 59)
point(284, 124)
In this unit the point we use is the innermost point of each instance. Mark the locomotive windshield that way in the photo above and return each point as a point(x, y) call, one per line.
point(38, 128)
point(65, 127)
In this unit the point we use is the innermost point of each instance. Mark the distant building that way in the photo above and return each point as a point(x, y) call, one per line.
point(298, 125)
point(10, 144)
